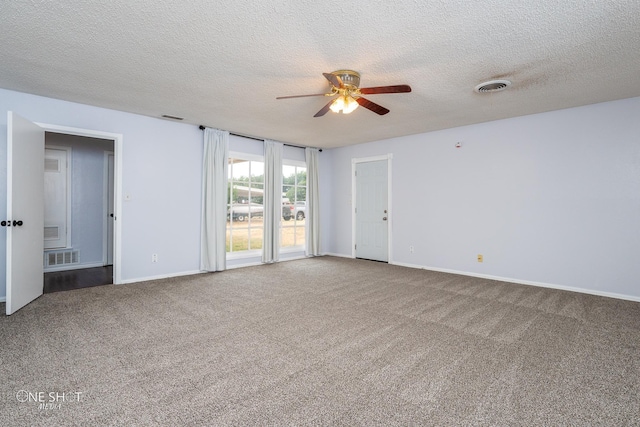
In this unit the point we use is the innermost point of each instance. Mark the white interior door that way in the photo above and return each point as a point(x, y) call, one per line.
point(372, 231)
point(25, 211)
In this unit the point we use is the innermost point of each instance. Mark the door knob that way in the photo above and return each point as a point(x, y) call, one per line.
point(3, 223)
point(384, 218)
point(18, 223)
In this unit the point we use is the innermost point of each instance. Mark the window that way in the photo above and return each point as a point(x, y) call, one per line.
point(294, 189)
point(245, 210)
point(245, 206)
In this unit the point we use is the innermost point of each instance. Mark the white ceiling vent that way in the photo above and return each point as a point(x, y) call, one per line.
point(492, 86)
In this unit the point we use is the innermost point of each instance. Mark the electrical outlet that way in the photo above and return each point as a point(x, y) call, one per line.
point(154, 257)
point(480, 258)
point(411, 248)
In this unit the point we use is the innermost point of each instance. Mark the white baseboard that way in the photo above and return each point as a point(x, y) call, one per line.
point(161, 276)
point(191, 273)
point(68, 267)
point(255, 263)
point(336, 255)
point(523, 282)
point(293, 258)
point(248, 264)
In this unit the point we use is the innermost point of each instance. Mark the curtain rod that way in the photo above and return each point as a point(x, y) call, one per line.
point(259, 139)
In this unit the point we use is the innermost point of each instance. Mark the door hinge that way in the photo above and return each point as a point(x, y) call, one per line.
point(355, 247)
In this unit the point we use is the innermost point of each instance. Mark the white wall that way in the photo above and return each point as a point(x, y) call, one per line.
point(549, 199)
point(161, 171)
point(552, 198)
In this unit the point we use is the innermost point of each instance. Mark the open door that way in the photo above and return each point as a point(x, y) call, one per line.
point(25, 211)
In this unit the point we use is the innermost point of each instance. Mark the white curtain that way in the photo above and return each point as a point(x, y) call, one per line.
point(312, 232)
point(213, 255)
point(272, 200)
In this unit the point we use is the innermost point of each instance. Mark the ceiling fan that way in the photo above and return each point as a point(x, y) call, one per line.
point(345, 84)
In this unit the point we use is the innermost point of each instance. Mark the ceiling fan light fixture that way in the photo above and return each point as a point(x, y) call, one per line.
point(337, 105)
point(345, 104)
point(350, 104)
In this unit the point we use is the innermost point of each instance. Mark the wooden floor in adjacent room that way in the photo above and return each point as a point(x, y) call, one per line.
point(76, 279)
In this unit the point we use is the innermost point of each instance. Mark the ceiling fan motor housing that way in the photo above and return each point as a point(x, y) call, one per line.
point(350, 78)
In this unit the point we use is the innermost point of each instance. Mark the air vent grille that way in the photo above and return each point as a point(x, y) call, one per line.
point(53, 259)
point(492, 86)
point(167, 116)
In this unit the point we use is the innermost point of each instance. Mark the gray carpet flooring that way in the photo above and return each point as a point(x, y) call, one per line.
point(324, 341)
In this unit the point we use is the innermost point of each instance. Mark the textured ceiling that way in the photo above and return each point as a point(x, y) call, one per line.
point(222, 64)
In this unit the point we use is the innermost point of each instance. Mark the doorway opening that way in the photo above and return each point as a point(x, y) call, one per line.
point(78, 211)
point(25, 206)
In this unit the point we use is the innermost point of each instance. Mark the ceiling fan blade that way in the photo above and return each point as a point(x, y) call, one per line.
point(302, 96)
point(378, 109)
point(334, 80)
point(324, 109)
point(385, 89)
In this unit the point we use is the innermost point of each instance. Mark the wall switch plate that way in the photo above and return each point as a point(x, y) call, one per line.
point(154, 258)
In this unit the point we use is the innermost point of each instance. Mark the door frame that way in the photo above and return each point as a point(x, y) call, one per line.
point(106, 185)
point(354, 162)
point(117, 139)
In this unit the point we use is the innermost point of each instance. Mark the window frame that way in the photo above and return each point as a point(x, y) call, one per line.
point(283, 224)
point(249, 253)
